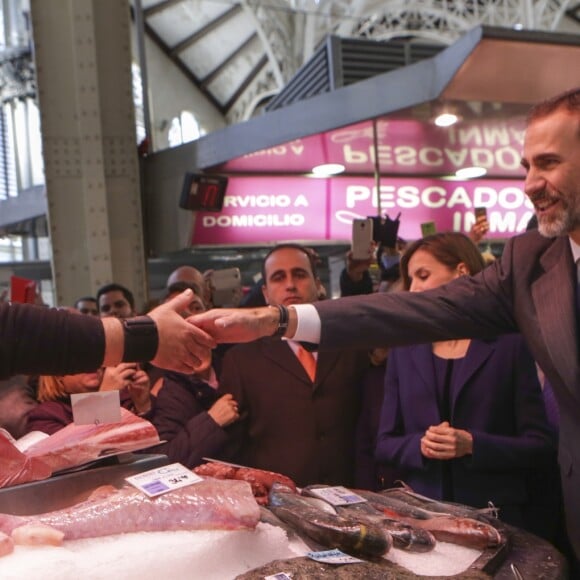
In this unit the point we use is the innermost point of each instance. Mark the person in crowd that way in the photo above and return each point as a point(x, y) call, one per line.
point(54, 410)
point(462, 420)
point(532, 289)
point(194, 278)
point(115, 300)
point(87, 305)
point(297, 417)
point(195, 306)
point(187, 412)
point(45, 340)
point(16, 402)
point(479, 229)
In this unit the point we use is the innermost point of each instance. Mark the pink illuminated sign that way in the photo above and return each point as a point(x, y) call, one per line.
point(260, 210)
point(405, 146)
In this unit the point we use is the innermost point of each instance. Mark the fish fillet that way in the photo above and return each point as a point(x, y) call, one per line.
point(207, 505)
point(78, 444)
point(15, 467)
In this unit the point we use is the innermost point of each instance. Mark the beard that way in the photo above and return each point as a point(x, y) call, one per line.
point(563, 222)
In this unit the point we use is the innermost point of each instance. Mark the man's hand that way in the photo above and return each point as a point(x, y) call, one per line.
point(224, 411)
point(479, 229)
point(242, 324)
point(444, 442)
point(356, 268)
point(183, 347)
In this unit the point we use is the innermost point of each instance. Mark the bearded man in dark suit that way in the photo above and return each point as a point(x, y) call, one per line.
point(532, 289)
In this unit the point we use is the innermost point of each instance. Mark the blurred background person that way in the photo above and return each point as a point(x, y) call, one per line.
point(17, 400)
point(87, 305)
point(188, 413)
point(54, 410)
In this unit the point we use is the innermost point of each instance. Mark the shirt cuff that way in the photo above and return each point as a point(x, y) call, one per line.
point(308, 329)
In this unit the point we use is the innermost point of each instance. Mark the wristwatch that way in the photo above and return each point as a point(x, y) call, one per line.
point(282, 321)
point(141, 339)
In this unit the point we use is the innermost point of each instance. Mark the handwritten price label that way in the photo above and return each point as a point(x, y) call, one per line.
point(163, 479)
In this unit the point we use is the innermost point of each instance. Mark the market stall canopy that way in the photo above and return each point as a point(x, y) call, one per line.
point(486, 65)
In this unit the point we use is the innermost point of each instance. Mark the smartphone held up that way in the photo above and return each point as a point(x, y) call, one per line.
point(362, 236)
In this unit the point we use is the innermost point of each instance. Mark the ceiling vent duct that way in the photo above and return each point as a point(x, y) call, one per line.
point(340, 62)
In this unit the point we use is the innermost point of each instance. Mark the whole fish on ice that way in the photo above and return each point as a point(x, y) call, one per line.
point(207, 505)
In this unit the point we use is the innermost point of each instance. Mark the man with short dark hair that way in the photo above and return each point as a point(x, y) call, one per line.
point(87, 305)
point(115, 300)
point(294, 422)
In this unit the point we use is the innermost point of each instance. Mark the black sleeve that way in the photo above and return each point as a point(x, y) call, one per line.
point(350, 288)
point(38, 340)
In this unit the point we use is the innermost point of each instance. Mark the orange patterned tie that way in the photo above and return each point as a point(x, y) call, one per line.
point(308, 361)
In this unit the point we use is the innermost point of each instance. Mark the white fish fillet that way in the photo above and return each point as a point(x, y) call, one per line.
point(207, 505)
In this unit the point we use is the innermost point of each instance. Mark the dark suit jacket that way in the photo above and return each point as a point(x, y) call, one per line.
point(289, 424)
point(530, 290)
point(496, 396)
point(181, 419)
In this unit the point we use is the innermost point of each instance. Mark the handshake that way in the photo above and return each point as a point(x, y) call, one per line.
point(185, 344)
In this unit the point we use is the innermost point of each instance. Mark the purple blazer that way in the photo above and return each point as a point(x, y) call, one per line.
point(496, 397)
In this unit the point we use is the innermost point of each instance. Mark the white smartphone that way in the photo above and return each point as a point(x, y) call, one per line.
point(226, 287)
point(362, 236)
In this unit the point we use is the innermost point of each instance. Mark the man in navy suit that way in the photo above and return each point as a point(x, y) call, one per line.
point(532, 289)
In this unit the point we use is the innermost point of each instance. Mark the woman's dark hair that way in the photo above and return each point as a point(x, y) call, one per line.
point(449, 248)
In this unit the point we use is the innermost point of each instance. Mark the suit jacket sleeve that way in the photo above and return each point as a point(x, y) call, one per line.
point(394, 444)
point(532, 443)
point(230, 382)
point(186, 426)
point(480, 307)
point(35, 340)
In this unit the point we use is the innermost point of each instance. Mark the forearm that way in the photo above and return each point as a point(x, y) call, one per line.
point(36, 340)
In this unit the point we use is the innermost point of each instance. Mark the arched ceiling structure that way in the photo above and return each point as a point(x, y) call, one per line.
point(240, 53)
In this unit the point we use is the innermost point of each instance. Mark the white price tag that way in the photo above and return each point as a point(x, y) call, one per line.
point(96, 408)
point(279, 576)
point(333, 557)
point(163, 479)
point(337, 495)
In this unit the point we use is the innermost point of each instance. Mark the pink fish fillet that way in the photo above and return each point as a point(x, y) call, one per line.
point(77, 444)
point(6, 545)
point(207, 505)
point(16, 468)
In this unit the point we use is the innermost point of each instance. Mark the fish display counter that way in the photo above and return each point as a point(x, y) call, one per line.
point(73, 526)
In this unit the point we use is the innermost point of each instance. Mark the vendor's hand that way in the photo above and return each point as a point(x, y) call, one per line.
point(356, 268)
point(224, 411)
point(445, 442)
point(139, 389)
point(479, 229)
point(183, 347)
point(242, 324)
point(119, 377)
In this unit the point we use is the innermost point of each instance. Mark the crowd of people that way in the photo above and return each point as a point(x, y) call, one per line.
point(443, 376)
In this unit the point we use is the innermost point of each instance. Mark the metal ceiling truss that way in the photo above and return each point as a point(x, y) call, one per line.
point(445, 20)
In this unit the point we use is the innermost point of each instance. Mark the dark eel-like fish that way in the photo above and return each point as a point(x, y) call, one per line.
point(334, 531)
point(405, 536)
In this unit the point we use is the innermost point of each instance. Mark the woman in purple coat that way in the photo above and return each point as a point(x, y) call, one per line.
point(462, 420)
